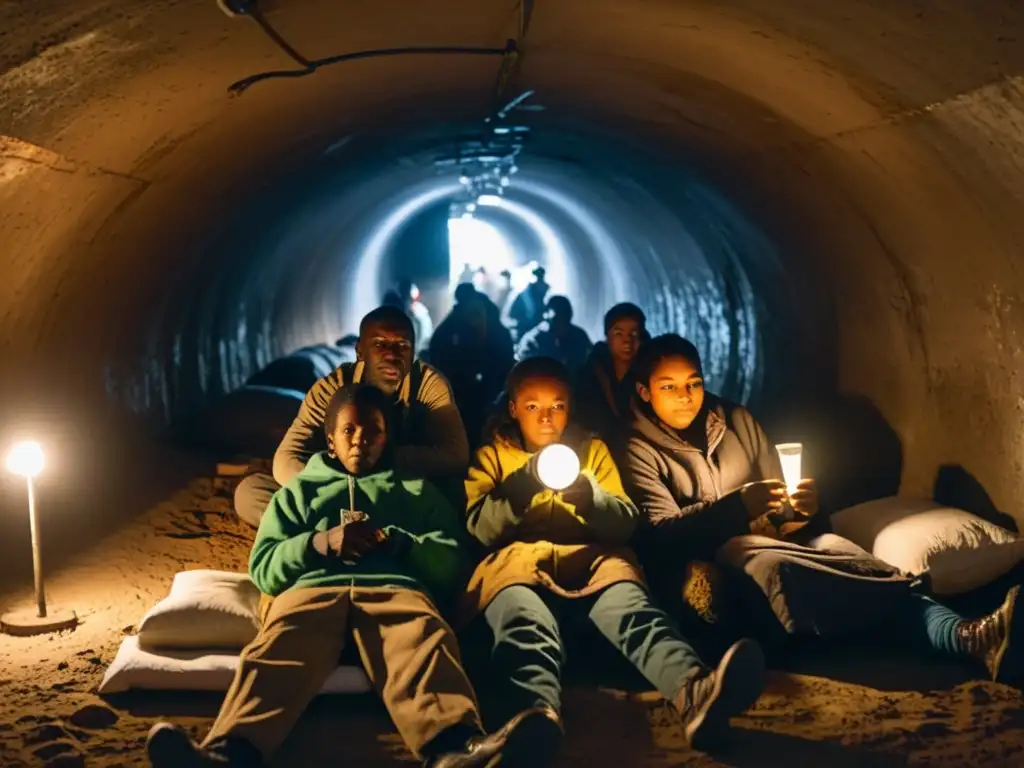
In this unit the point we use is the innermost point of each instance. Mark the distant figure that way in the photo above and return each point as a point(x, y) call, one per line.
point(605, 387)
point(475, 353)
point(527, 310)
point(466, 276)
point(557, 337)
point(417, 312)
point(503, 290)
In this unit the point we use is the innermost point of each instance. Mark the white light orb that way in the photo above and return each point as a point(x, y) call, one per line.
point(790, 455)
point(558, 466)
point(26, 459)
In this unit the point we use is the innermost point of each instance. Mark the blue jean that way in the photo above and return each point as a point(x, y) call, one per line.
point(529, 652)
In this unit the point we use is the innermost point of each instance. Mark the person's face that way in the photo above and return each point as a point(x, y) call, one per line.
point(387, 353)
point(541, 408)
point(675, 392)
point(624, 339)
point(358, 438)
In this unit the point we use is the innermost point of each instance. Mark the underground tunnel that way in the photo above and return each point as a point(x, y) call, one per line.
point(823, 197)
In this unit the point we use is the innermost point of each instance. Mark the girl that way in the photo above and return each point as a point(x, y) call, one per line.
point(706, 478)
point(555, 558)
point(376, 575)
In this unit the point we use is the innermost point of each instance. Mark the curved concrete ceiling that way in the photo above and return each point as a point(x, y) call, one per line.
point(876, 144)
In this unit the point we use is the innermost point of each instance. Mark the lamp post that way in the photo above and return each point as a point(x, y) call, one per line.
point(26, 459)
point(558, 466)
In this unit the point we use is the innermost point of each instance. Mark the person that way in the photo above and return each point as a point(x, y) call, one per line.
point(378, 573)
point(557, 337)
point(417, 311)
point(555, 559)
point(474, 351)
point(605, 387)
point(527, 308)
point(430, 440)
point(708, 486)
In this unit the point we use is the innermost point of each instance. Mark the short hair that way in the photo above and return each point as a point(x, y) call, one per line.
point(624, 311)
point(536, 368)
point(362, 396)
point(389, 316)
point(561, 306)
point(661, 348)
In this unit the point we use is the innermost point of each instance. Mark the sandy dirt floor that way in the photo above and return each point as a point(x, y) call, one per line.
point(862, 712)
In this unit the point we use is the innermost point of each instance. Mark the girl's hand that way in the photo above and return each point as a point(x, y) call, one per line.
point(804, 499)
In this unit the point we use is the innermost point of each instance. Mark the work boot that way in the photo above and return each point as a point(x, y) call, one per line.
point(996, 641)
point(531, 738)
point(169, 746)
point(707, 701)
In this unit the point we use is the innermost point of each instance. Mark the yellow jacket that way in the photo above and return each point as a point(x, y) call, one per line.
point(535, 537)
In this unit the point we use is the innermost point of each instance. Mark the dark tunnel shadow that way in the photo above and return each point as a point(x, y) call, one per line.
point(956, 487)
point(850, 448)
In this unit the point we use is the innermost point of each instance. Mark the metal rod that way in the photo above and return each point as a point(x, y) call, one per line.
point(37, 562)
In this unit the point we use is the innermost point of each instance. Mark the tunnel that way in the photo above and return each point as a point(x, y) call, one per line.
point(824, 198)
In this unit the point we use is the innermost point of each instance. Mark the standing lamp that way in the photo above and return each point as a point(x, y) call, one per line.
point(26, 460)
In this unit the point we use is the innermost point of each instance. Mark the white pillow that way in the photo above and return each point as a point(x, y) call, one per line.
point(197, 670)
point(959, 551)
point(205, 609)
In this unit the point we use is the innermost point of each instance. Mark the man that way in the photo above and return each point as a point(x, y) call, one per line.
point(430, 439)
point(557, 337)
point(527, 309)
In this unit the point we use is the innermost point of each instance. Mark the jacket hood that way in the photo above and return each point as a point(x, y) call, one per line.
point(322, 469)
point(651, 428)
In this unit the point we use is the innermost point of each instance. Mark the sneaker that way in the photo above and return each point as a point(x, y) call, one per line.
point(708, 701)
point(994, 640)
point(170, 746)
point(531, 738)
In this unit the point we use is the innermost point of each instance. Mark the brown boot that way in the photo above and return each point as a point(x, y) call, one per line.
point(996, 641)
point(708, 701)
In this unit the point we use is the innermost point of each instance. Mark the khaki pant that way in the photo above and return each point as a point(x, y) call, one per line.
point(408, 651)
point(253, 495)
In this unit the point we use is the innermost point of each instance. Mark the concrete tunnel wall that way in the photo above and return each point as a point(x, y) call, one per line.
point(877, 145)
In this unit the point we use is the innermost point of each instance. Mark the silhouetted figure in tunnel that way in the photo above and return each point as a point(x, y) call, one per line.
point(429, 437)
point(527, 310)
point(557, 337)
point(604, 386)
point(417, 312)
point(503, 290)
point(474, 351)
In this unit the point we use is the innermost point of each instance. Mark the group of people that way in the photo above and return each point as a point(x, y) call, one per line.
point(378, 527)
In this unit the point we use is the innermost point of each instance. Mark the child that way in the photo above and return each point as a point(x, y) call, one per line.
point(706, 478)
point(559, 557)
point(377, 574)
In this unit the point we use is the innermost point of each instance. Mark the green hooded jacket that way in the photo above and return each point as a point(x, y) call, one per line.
point(432, 559)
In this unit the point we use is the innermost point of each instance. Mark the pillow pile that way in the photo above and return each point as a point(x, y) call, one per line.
point(191, 640)
point(958, 551)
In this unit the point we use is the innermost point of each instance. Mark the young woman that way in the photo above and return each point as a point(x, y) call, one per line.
point(558, 558)
point(708, 485)
point(378, 574)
